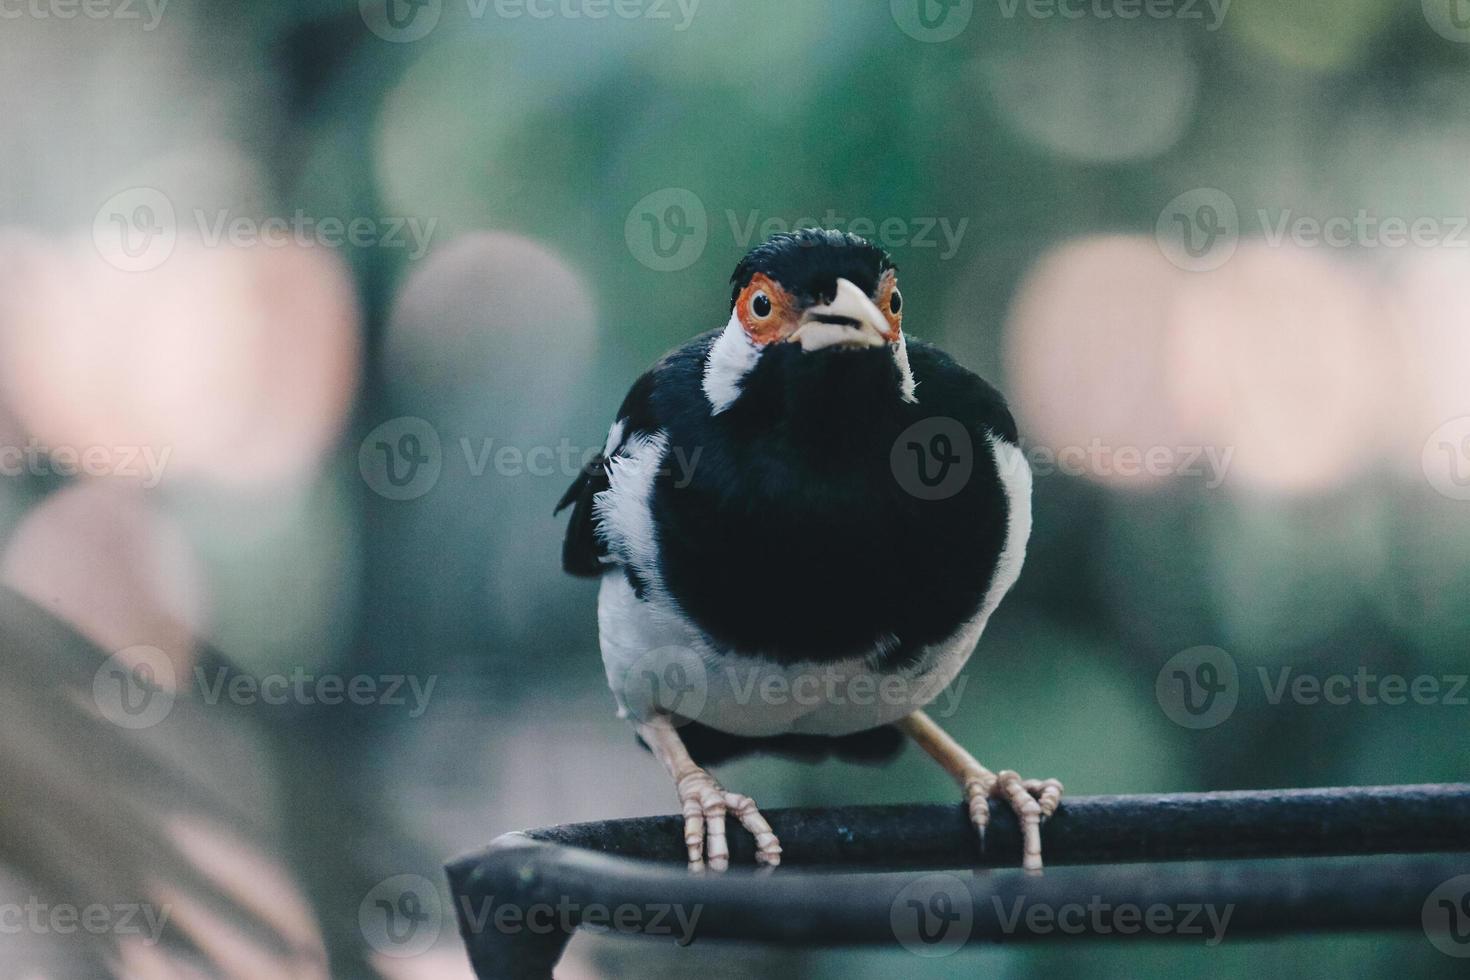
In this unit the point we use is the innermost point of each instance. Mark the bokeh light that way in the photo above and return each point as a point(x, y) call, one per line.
point(1086, 355)
point(1276, 355)
point(237, 364)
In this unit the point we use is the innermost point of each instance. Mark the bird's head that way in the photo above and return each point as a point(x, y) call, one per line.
point(802, 301)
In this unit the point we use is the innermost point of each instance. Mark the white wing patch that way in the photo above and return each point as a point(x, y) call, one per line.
point(1015, 477)
point(622, 514)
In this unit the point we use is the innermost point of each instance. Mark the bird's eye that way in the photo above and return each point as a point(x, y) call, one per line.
point(760, 305)
point(895, 302)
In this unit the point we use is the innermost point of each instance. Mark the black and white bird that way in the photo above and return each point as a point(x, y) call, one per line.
point(802, 522)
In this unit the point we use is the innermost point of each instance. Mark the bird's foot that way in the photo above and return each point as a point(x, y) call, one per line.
point(705, 804)
point(1032, 800)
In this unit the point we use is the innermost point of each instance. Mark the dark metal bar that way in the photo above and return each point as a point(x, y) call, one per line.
point(518, 900)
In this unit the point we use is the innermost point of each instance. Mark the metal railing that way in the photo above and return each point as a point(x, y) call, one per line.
point(1342, 859)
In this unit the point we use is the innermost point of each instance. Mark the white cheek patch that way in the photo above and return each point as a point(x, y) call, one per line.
point(730, 359)
point(906, 383)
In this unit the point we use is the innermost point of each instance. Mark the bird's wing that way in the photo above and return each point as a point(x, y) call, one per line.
point(677, 373)
point(583, 552)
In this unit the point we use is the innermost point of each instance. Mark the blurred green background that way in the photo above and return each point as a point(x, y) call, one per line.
point(1100, 213)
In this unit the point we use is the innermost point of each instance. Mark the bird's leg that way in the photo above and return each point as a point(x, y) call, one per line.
point(1033, 800)
point(705, 802)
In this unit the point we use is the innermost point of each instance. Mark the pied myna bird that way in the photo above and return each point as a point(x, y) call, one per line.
point(802, 522)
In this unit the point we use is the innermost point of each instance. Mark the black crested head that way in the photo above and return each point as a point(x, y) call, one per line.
point(808, 263)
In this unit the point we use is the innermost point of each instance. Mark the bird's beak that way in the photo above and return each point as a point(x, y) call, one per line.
point(850, 320)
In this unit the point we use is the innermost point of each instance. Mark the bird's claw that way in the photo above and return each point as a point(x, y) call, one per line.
point(705, 806)
point(1032, 800)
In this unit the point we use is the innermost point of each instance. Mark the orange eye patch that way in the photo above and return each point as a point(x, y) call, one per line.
point(766, 311)
point(890, 301)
